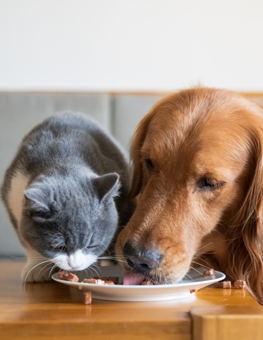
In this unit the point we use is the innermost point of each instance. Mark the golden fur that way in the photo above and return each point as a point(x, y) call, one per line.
point(191, 137)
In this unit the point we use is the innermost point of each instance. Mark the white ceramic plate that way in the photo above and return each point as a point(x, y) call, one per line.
point(142, 293)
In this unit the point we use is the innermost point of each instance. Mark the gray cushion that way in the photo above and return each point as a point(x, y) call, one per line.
point(128, 110)
point(19, 112)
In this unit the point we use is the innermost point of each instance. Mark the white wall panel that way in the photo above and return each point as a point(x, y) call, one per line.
point(131, 44)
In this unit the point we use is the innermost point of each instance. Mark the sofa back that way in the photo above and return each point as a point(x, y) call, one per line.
point(20, 112)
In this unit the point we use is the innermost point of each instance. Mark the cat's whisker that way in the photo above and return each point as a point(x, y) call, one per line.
point(107, 257)
point(35, 267)
point(53, 267)
point(85, 270)
point(46, 269)
point(96, 265)
point(94, 271)
point(110, 258)
point(43, 268)
point(90, 271)
point(122, 261)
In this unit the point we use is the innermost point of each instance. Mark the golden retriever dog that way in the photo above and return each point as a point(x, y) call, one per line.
point(198, 174)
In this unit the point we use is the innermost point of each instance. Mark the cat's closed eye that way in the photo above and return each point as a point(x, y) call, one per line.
point(92, 246)
point(57, 246)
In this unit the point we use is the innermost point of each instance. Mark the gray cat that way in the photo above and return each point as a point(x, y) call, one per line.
point(65, 193)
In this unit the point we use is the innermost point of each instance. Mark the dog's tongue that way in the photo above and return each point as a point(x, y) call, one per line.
point(133, 279)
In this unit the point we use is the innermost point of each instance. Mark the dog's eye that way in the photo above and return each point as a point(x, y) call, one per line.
point(206, 183)
point(149, 164)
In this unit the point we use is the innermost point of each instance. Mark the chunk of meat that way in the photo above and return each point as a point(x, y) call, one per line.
point(240, 284)
point(109, 283)
point(146, 283)
point(63, 275)
point(94, 281)
point(66, 276)
point(225, 284)
point(72, 278)
point(87, 298)
point(209, 272)
point(114, 279)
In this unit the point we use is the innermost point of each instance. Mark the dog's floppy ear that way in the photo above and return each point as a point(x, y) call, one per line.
point(246, 234)
point(135, 155)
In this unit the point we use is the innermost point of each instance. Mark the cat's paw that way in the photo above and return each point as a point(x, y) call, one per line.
point(33, 272)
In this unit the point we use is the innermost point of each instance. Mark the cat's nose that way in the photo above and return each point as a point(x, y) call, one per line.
point(74, 264)
point(76, 267)
point(140, 260)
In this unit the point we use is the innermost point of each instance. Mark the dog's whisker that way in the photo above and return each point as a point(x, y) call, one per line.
point(211, 253)
point(205, 246)
point(197, 271)
point(201, 259)
point(200, 264)
point(189, 276)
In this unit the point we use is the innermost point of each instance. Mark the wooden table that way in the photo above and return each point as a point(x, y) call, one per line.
point(53, 311)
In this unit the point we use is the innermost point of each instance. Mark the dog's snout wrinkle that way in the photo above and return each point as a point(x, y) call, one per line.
point(141, 260)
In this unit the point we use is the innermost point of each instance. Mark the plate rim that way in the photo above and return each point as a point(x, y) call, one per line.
point(175, 285)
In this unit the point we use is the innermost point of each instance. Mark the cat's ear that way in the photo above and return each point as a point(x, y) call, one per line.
point(37, 205)
point(107, 185)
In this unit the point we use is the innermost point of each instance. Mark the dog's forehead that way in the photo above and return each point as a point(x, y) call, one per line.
point(215, 144)
point(175, 131)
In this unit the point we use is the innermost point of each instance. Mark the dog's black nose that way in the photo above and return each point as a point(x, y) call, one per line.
point(141, 261)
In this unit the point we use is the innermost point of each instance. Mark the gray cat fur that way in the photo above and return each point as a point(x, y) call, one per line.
point(63, 157)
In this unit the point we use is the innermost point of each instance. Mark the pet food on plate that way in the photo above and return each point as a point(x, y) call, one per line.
point(225, 284)
point(114, 279)
point(109, 283)
point(94, 281)
point(209, 272)
point(111, 280)
point(87, 298)
point(66, 276)
point(240, 284)
point(73, 277)
point(146, 283)
point(63, 275)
